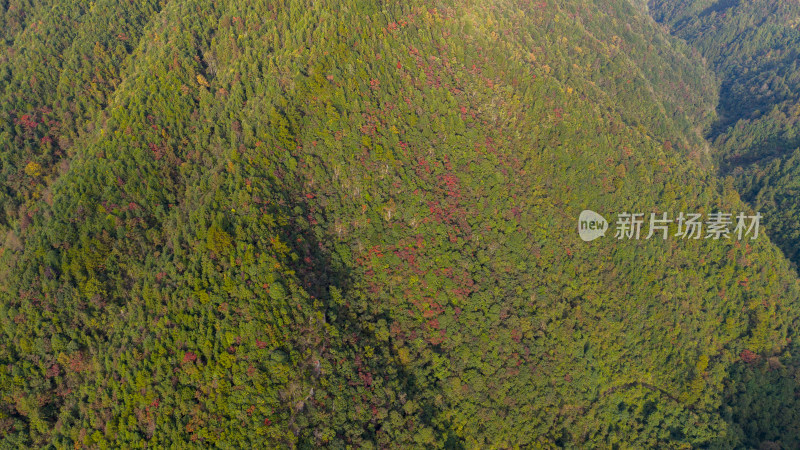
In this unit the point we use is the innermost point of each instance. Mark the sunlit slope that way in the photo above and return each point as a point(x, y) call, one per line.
point(354, 223)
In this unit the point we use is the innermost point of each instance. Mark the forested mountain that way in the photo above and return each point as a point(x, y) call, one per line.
point(352, 223)
point(754, 48)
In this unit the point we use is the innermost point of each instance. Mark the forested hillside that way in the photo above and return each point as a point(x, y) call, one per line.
point(754, 48)
point(352, 223)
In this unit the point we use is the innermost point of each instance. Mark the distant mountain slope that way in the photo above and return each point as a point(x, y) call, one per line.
point(753, 47)
point(352, 223)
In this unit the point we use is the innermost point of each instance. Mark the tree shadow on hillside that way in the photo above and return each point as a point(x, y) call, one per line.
point(761, 405)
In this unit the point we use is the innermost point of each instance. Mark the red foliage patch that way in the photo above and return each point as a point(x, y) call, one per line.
point(26, 120)
point(53, 371)
point(749, 357)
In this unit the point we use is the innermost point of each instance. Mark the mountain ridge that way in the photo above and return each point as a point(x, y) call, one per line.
point(363, 233)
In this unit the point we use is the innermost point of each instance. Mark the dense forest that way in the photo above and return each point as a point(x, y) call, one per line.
point(352, 224)
point(754, 49)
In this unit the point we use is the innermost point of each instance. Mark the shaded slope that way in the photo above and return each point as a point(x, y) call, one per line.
point(752, 46)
